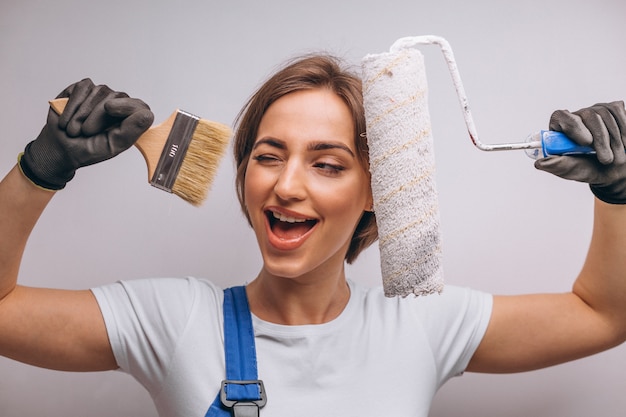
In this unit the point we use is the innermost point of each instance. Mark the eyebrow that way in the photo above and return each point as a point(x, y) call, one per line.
point(322, 146)
point(315, 146)
point(271, 142)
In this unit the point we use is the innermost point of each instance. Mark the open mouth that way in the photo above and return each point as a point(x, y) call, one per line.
point(286, 227)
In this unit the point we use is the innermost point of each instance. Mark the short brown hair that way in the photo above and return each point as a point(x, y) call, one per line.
point(308, 72)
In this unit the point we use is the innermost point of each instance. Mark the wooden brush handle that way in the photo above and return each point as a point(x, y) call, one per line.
point(150, 143)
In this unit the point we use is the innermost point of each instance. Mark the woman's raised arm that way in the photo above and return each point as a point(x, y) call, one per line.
point(533, 331)
point(59, 329)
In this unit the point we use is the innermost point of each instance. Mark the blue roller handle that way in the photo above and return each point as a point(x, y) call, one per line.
point(556, 143)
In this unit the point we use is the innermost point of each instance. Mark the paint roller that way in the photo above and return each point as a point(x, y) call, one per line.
point(402, 167)
point(402, 163)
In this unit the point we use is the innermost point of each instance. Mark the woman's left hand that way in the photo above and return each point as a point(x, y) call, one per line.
point(603, 127)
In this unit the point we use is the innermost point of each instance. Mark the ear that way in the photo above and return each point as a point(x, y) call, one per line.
point(369, 202)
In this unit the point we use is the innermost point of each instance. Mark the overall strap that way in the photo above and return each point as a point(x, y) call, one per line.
point(242, 394)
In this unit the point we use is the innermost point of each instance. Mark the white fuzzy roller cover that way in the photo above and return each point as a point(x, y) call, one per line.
point(402, 164)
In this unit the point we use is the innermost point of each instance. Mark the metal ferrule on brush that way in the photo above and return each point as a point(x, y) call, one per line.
point(174, 151)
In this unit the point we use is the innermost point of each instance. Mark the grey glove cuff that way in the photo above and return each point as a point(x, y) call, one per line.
point(613, 194)
point(38, 174)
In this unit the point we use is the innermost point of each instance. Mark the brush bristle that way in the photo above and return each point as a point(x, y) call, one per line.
point(199, 167)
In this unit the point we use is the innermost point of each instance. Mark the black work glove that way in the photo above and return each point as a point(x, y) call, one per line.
point(603, 127)
point(97, 124)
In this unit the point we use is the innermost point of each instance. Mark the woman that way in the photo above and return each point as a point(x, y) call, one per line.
point(326, 346)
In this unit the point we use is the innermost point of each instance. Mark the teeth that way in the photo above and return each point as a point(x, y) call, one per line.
point(287, 219)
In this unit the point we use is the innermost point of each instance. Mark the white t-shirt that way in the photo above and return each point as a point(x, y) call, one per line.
point(380, 357)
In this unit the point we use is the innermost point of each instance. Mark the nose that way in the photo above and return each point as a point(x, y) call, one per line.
point(291, 183)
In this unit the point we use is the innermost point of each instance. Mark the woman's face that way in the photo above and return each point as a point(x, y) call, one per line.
point(305, 189)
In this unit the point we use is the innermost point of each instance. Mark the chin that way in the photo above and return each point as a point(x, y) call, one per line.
point(287, 268)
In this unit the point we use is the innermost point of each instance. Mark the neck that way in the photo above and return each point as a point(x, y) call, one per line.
point(298, 301)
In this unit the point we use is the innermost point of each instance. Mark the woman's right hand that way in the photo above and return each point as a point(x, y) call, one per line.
point(97, 124)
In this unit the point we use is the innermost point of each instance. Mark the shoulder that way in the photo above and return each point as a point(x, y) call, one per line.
point(163, 283)
point(152, 297)
point(450, 299)
point(454, 308)
point(165, 288)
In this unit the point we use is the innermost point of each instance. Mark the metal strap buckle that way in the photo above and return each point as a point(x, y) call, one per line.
point(244, 407)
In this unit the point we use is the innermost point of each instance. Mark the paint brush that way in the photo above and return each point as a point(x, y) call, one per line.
point(182, 153)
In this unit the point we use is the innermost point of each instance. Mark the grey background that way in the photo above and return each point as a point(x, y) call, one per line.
point(506, 227)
